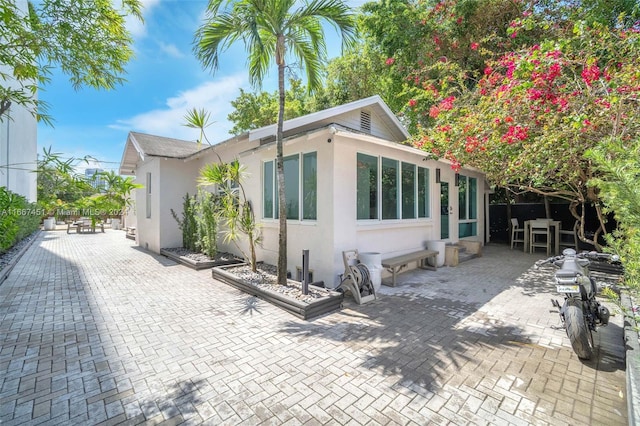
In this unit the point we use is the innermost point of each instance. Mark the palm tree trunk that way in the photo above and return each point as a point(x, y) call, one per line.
point(282, 203)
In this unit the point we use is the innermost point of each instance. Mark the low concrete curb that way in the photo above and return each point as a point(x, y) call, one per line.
point(7, 270)
point(633, 361)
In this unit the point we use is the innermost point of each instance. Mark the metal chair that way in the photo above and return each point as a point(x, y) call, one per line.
point(539, 235)
point(517, 233)
point(569, 237)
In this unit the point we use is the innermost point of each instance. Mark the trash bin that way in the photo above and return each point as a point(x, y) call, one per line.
point(438, 246)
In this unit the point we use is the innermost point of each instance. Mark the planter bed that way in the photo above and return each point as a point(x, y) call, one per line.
point(199, 261)
point(319, 301)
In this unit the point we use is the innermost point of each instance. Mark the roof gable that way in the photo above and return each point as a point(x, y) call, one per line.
point(373, 104)
point(140, 146)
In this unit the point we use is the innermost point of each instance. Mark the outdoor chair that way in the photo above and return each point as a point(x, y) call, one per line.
point(540, 235)
point(517, 233)
point(569, 237)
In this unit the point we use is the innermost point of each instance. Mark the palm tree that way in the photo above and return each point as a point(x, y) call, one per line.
point(274, 30)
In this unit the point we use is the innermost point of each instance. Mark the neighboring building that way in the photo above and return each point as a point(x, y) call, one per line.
point(350, 182)
point(94, 178)
point(18, 143)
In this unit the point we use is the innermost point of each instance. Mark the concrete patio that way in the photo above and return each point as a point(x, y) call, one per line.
point(95, 330)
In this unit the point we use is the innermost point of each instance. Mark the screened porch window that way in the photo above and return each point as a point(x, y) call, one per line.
point(389, 189)
point(300, 183)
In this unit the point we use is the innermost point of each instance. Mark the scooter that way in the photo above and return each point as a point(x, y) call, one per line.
point(580, 313)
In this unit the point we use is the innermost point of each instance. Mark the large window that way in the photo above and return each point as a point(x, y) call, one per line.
point(467, 206)
point(300, 183)
point(399, 191)
point(408, 191)
point(367, 198)
point(268, 189)
point(310, 186)
point(423, 192)
point(389, 189)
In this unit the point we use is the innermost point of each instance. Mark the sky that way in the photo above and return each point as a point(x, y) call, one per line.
point(164, 80)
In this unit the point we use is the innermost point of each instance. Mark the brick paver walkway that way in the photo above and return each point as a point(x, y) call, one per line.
point(95, 330)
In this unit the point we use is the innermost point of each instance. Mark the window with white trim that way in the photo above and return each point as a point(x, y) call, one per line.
point(300, 184)
point(390, 189)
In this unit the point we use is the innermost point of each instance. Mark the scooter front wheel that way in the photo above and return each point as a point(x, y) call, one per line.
point(578, 331)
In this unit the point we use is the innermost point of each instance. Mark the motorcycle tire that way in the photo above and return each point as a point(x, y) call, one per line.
point(578, 331)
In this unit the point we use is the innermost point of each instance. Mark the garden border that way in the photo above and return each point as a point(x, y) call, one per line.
point(197, 265)
point(4, 273)
point(304, 310)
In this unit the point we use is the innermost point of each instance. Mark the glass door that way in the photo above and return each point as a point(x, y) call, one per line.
point(444, 210)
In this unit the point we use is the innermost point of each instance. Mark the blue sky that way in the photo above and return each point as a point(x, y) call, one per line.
point(164, 80)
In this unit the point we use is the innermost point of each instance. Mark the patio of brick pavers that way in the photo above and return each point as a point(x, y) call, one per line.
point(97, 330)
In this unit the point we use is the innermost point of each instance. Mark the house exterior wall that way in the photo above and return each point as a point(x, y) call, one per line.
point(337, 228)
point(170, 181)
point(176, 181)
point(148, 228)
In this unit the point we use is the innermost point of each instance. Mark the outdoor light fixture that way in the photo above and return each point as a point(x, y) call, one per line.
point(437, 175)
point(457, 179)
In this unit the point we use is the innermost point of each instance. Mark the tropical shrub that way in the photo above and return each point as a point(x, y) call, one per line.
point(618, 162)
point(199, 222)
point(188, 224)
point(234, 208)
point(18, 218)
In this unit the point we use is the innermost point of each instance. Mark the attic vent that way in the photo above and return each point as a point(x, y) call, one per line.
point(365, 121)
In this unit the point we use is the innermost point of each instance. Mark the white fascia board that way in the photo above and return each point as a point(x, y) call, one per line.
point(270, 130)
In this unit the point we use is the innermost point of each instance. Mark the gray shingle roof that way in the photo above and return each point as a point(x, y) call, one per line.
point(158, 146)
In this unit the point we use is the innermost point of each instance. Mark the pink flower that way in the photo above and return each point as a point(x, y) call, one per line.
point(434, 111)
point(389, 61)
point(515, 133)
point(590, 74)
point(412, 102)
point(447, 104)
point(474, 46)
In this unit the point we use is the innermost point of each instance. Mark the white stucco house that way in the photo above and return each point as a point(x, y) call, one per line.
point(351, 183)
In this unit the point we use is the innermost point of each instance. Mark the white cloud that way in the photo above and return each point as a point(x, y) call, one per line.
point(214, 96)
point(171, 50)
point(136, 27)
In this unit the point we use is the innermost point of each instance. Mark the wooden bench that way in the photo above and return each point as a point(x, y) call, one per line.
point(394, 264)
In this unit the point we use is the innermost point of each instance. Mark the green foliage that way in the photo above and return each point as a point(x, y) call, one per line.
point(86, 39)
point(259, 109)
point(58, 183)
point(188, 224)
point(618, 185)
point(199, 223)
point(206, 207)
point(116, 197)
point(540, 102)
point(18, 218)
point(199, 119)
point(234, 208)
